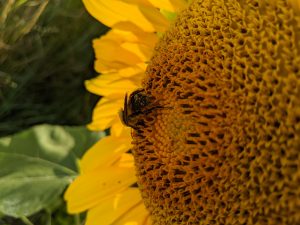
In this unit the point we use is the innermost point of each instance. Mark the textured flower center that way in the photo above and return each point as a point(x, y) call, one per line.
point(223, 147)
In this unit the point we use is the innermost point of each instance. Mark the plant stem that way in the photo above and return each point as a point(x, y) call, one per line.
point(6, 10)
point(49, 221)
point(77, 219)
point(26, 29)
point(26, 220)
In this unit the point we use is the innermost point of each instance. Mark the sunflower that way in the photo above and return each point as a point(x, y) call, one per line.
point(218, 140)
point(106, 186)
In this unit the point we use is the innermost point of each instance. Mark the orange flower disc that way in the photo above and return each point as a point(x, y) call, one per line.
point(220, 141)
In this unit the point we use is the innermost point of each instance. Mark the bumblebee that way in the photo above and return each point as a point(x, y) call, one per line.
point(134, 105)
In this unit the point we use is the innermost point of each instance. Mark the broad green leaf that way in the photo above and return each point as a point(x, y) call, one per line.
point(38, 164)
point(57, 144)
point(27, 184)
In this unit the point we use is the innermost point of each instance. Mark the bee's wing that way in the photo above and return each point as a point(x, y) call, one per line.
point(121, 116)
point(123, 113)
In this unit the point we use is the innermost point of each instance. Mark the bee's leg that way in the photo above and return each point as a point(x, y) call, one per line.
point(140, 123)
point(154, 108)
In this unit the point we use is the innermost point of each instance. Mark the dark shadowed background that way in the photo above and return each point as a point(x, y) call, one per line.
point(45, 56)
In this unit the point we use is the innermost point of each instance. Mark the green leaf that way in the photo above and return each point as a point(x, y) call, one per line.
point(27, 184)
point(38, 164)
point(57, 144)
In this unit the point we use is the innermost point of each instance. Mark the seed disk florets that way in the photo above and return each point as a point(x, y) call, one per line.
point(224, 148)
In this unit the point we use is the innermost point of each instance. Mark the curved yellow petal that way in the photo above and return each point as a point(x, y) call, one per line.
point(105, 153)
point(138, 2)
point(137, 34)
point(108, 107)
point(130, 72)
point(120, 35)
point(136, 72)
point(136, 216)
point(112, 210)
point(91, 189)
point(104, 123)
point(142, 51)
point(110, 12)
point(159, 22)
point(120, 49)
point(108, 84)
point(109, 51)
point(169, 5)
point(105, 113)
point(126, 161)
point(118, 128)
point(104, 66)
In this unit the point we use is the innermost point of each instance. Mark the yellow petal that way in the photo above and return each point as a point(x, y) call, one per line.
point(169, 5)
point(111, 211)
point(106, 113)
point(120, 49)
point(137, 70)
point(91, 189)
point(138, 2)
point(110, 12)
point(104, 123)
point(105, 153)
point(126, 161)
point(109, 51)
point(142, 51)
point(131, 71)
point(108, 107)
point(159, 22)
point(108, 84)
point(118, 128)
point(139, 35)
point(120, 35)
point(136, 216)
point(103, 66)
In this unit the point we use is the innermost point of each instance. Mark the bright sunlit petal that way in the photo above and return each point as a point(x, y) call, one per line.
point(111, 12)
point(110, 84)
point(169, 5)
point(114, 209)
point(91, 189)
point(105, 152)
point(105, 113)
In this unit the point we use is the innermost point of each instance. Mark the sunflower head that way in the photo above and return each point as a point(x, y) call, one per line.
point(223, 147)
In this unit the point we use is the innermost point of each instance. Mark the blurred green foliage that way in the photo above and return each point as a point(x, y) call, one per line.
point(45, 56)
point(37, 165)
